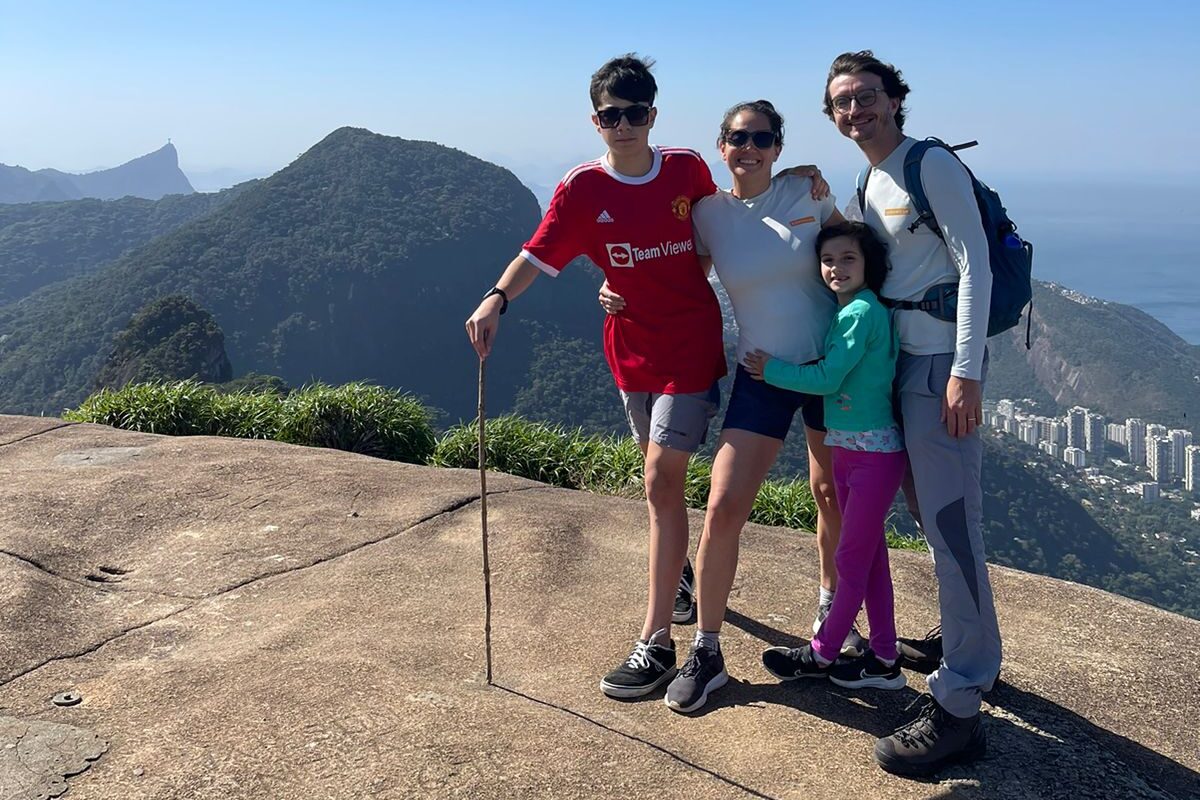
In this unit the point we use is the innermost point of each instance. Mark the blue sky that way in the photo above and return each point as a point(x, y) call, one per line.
point(1058, 90)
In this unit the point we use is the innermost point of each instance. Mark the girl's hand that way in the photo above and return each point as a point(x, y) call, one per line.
point(820, 187)
point(755, 363)
point(610, 301)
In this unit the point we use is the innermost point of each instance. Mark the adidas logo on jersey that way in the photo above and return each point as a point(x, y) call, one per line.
point(604, 217)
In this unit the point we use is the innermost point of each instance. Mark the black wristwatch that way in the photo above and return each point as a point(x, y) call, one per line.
point(503, 296)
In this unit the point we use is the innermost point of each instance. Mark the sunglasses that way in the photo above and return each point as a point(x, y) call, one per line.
point(638, 115)
point(761, 139)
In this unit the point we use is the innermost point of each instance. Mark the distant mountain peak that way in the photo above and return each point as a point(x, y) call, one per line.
point(151, 176)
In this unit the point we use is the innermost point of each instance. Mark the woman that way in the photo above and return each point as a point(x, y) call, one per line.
point(760, 237)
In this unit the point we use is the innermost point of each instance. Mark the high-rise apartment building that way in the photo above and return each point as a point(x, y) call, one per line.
point(1191, 468)
point(1094, 430)
point(1135, 440)
point(1158, 458)
point(1115, 432)
point(1180, 441)
point(1075, 457)
point(1076, 434)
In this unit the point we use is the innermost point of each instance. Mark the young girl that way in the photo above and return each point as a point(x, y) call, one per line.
point(855, 376)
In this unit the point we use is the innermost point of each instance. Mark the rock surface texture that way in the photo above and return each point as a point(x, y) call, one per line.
point(258, 620)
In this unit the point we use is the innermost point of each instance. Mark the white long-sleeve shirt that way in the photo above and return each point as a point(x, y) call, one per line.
point(920, 259)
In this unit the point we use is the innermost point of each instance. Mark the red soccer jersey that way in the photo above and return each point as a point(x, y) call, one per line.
point(639, 232)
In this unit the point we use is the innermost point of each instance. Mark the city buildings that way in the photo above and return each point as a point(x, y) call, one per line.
point(1158, 458)
point(1135, 440)
point(1191, 471)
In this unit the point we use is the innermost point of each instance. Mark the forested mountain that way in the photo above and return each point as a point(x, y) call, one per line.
point(171, 338)
point(151, 176)
point(43, 243)
point(1106, 356)
point(360, 260)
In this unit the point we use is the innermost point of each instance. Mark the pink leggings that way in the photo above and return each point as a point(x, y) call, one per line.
point(866, 485)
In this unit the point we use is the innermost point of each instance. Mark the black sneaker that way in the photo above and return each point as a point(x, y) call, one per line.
point(935, 739)
point(867, 672)
point(854, 645)
point(789, 663)
point(703, 672)
point(685, 597)
point(923, 655)
point(648, 667)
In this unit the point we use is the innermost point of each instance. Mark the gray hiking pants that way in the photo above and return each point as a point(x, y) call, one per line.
point(946, 472)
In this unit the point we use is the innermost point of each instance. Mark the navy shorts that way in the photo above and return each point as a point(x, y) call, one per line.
point(759, 407)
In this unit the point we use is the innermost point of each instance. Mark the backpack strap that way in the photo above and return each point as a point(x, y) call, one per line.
point(916, 190)
point(863, 177)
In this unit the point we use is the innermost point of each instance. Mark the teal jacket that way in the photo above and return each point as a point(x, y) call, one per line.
point(857, 370)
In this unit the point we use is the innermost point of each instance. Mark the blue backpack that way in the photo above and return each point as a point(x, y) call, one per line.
point(1010, 256)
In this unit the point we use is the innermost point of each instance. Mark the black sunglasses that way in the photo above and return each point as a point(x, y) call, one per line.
point(638, 115)
point(761, 139)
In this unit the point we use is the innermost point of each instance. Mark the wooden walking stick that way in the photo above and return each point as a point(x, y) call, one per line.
point(487, 572)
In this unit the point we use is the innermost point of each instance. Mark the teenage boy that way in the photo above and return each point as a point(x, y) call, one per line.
point(939, 377)
point(630, 213)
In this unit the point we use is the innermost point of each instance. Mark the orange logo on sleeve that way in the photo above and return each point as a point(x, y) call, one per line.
point(896, 212)
point(802, 221)
point(681, 207)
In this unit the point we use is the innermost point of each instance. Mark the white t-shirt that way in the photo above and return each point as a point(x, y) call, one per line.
point(920, 259)
point(762, 250)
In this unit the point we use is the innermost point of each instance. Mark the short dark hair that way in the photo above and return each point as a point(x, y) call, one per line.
point(627, 77)
point(763, 107)
point(865, 61)
point(875, 264)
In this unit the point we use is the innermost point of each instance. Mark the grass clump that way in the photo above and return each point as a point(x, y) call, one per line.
point(174, 408)
point(360, 418)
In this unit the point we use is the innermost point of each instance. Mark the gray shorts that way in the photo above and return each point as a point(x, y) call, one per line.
point(677, 421)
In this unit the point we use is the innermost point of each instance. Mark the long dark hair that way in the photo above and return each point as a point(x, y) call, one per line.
point(875, 264)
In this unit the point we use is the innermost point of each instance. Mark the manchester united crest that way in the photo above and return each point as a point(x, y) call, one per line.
point(681, 207)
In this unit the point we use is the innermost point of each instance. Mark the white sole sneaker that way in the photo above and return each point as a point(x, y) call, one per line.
point(717, 682)
point(624, 692)
point(873, 682)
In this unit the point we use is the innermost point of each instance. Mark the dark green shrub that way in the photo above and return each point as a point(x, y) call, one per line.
point(180, 408)
point(360, 418)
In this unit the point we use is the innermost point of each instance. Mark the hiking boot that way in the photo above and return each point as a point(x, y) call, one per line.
point(790, 663)
point(935, 739)
point(649, 666)
point(867, 672)
point(854, 646)
point(685, 597)
point(922, 655)
point(703, 672)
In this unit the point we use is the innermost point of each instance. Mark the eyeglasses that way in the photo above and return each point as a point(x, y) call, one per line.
point(638, 115)
point(865, 99)
point(761, 139)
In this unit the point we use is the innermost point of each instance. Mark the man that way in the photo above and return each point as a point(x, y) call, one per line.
point(939, 378)
point(630, 212)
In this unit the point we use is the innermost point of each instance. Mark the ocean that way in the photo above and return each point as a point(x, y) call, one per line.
point(1137, 245)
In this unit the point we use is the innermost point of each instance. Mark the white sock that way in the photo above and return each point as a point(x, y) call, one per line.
point(825, 598)
point(709, 639)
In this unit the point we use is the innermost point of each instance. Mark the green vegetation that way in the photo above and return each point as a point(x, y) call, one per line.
point(356, 417)
point(358, 261)
point(171, 338)
point(44, 243)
